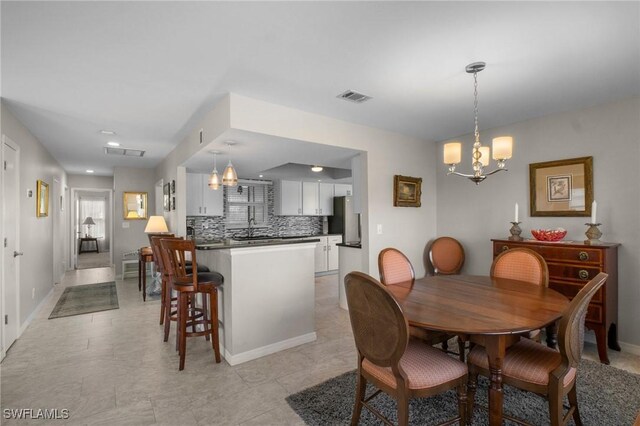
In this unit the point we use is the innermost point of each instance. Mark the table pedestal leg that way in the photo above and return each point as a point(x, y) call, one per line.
point(552, 335)
point(495, 346)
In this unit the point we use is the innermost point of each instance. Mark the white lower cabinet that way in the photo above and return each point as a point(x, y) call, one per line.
point(326, 253)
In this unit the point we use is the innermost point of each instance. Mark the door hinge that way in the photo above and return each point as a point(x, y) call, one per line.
point(5, 242)
point(6, 319)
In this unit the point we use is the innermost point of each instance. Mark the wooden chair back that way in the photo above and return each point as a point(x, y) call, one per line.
point(521, 264)
point(154, 240)
point(379, 327)
point(571, 327)
point(444, 256)
point(158, 234)
point(174, 252)
point(395, 268)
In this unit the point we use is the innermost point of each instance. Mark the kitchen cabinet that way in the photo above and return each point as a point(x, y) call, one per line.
point(288, 198)
point(201, 200)
point(326, 254)
point(317, 199)
point(343, 190)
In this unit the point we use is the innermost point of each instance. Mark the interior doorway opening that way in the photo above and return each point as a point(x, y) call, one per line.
point(92, 228)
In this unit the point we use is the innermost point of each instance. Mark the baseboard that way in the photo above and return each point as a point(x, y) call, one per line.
point(269, 349)
point(36, 311)
point(589, 336)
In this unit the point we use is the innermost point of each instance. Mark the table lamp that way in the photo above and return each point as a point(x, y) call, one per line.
point(156, 224)
point(88, 221)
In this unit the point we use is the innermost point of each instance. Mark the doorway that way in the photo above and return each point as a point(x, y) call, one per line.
point(92, 228)
point(10, 303)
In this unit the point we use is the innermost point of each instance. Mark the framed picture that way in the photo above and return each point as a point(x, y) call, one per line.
point(406, 191)
point(166, 200)
point(42, 199)
point(173, 187)
point(561, 188)
point(173, 203)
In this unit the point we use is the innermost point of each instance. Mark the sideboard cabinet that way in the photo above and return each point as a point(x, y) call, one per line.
point(571, 265)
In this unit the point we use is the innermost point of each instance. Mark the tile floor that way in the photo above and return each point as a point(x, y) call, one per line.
point(112, 367)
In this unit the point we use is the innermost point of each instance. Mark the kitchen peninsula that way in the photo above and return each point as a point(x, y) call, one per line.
point(267, 301)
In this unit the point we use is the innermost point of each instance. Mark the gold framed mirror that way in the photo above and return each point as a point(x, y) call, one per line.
point(42, 199)
point(134, 205)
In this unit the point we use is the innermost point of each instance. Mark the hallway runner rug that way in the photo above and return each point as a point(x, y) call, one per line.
point(84, 299)
point(606, 396)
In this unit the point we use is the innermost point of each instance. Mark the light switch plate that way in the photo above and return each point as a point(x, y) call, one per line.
point(125, 224)
point(379, 229)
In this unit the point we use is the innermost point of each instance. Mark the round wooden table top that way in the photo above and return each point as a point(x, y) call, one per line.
point(479, 305)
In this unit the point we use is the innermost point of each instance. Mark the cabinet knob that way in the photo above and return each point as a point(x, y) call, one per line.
point(583, 255)
point(583, 274)
point(505, 248)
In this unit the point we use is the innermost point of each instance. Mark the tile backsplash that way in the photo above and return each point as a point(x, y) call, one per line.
point(213, 227)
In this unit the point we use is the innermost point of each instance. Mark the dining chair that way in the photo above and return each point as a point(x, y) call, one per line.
point(399, 366)
point(444, 256)
point(396, 269)
point(522, 264)
point(534, 367)
point(206, 284)
point(154, 241)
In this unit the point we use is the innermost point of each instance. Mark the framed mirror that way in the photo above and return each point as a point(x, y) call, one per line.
point(134, 205)
point(42, 199)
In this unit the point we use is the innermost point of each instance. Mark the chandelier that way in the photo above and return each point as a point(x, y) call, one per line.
point(502, 146)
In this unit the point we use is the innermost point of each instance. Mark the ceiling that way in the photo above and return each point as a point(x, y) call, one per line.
point(274, 158)
point(150, 70)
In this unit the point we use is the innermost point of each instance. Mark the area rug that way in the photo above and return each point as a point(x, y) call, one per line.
point(606, 396)
point(84, 299)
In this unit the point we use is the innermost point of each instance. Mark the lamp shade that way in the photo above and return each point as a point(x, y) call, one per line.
point(452, 153)
point(156, 224)
point(230, 177)
point(88, 221)
point(502, 147)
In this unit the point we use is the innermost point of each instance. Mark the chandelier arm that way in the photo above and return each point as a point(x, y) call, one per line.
point(460, 174)
point(493, 172)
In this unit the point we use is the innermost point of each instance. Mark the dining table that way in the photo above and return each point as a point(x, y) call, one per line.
point(491, 312)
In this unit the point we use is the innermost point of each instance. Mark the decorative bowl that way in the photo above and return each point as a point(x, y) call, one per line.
point(549, 234)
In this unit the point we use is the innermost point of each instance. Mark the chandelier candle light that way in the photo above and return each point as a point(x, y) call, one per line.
point(502, 146)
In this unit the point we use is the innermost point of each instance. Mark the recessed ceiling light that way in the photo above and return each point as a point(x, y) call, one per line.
point(112, 143)
point(89, 171)
point(259, 175)
point(316, 169)
point(108, 132)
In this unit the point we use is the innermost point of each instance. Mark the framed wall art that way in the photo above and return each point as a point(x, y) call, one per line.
point(134, 205)
point(561, 188)
point(166, 197)
point(406, 191)
point(173, 187)
point(42, 199)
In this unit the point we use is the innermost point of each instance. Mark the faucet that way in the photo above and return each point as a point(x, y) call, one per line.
point(250, 228)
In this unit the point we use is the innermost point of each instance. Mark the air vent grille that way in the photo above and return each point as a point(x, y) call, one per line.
point(353, 96)
point(123, 151)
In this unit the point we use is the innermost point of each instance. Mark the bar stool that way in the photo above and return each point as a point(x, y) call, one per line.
point(188, 286)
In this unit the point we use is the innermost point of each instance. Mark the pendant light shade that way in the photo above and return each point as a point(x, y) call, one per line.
point(229, 176)
point(214, 179)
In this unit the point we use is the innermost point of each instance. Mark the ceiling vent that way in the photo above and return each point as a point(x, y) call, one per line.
point(123, 151)
point(353, 96)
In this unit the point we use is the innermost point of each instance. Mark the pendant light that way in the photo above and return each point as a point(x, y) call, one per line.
point(214, 178)
point(230, 177)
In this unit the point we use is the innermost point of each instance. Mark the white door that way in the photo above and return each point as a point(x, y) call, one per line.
point(310, 199)
point(194, 194)
point(212, 199)
point(321, 255)
point(332, 252)
point(11, 244)
point(290, 198)
point(325, 199)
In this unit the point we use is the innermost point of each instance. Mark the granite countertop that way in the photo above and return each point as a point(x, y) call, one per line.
point(227, 244)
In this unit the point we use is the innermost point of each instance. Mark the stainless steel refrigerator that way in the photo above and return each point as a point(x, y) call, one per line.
point(344, 221)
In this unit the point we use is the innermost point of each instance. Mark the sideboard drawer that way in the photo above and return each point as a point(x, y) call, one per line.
point(571, 289)
point(572, 272)
point(563, 254)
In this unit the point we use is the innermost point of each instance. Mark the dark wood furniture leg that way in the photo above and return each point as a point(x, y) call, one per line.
point(495, 346)
point(613, 337)
point(139, 273)
point(552, 335)
point(601, 341)
point(144, 280)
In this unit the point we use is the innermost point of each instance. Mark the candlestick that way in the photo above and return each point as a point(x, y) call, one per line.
point(515, 232)
point(594, 207)
point(593, 233)
point(516, 217)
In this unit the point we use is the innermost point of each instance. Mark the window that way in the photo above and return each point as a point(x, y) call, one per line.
point(95, 208)
point(245, 202)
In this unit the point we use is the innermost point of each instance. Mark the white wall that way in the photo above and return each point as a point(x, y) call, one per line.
point(611, 134)
point(36, 234)
point(388, 154)
point(89, 181)
point(128, 179)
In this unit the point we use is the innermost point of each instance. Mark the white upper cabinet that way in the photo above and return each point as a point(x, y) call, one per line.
point(201, 200)
point(325, 199)
point(310, 191)
point(343, 190)
point(288, 198)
